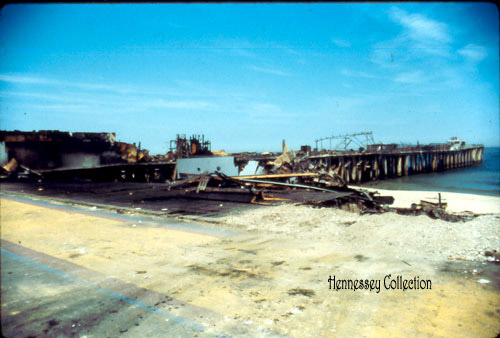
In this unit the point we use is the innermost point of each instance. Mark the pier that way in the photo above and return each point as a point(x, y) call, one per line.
point(100, 157)
point(356, 167)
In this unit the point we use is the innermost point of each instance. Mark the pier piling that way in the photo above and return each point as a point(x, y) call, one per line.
point(356, 167)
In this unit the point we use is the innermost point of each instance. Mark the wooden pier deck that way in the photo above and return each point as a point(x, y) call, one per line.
point(357, 167)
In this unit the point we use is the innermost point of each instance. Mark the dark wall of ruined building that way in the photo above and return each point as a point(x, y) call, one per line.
point(47, 149)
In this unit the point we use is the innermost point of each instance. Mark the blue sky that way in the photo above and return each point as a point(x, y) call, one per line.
point(249, 75)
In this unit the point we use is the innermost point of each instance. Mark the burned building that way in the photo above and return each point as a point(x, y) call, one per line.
point(51, 149)
point(181, 147)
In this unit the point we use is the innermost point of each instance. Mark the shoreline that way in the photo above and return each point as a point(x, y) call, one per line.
point(457, 202)
point(389, 184)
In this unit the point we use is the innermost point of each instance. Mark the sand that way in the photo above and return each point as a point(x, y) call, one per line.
point(457, 202)
point(271, 277)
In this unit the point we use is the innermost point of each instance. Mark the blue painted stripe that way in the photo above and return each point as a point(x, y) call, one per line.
point(107, 214)
point(111, 293)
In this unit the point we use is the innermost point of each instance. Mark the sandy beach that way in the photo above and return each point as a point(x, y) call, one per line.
point(457, 202)
point(420, 236)
point(270, 278)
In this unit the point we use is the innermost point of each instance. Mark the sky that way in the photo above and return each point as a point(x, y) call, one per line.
point(248, 76)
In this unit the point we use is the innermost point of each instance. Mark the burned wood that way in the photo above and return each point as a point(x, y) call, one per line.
point(300, 186)
point(277, 176)
point(203, 184)
point(50, 149)
point(433, 204)
point(380, 161)
point(17, 170)
point(11, 166)
point(224, 194)
point(31, 171)
point(365, 201)
point(299, 165)
point(384, 199)
point(122, 172)
point(434, 213)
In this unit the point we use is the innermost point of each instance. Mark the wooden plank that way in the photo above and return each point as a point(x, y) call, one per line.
point(278, 175)
point(174, 174)
point(433, 204)
point(276, 199)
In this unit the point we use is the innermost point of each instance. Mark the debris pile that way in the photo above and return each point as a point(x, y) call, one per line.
point(191, 170)
point(54, 149)
point(435, 210)
point(130, 153)
point(291, 162)
point(217, 186)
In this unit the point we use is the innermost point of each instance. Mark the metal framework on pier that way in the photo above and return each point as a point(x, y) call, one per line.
point(342, 142)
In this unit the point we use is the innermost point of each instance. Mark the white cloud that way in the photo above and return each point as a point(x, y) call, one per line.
point(63, 107)
point(411, 77)
point(291, 51)
point(351, 73)
point(421, 37)
point(473, 52)
point(243, 52)
point(272, 71)
point(341, 43)
point(420, 28)
point(160, 103)
point(259, 108)
point(22, 79)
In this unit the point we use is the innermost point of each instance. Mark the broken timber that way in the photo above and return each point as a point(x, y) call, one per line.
point(278, 175)
point(357, 167)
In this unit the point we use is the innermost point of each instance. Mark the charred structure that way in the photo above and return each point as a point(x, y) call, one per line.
point(191, 171)
point(52, 149)
point(196, 145)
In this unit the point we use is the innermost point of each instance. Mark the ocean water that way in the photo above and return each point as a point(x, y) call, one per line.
point(483, 179)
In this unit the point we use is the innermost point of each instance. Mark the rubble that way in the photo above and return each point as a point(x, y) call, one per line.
point(218, 186)
point(11, 166)
point(290, 162)
point(196, 145)
point(53, 149)
point(192, 170)
point(434, 211)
